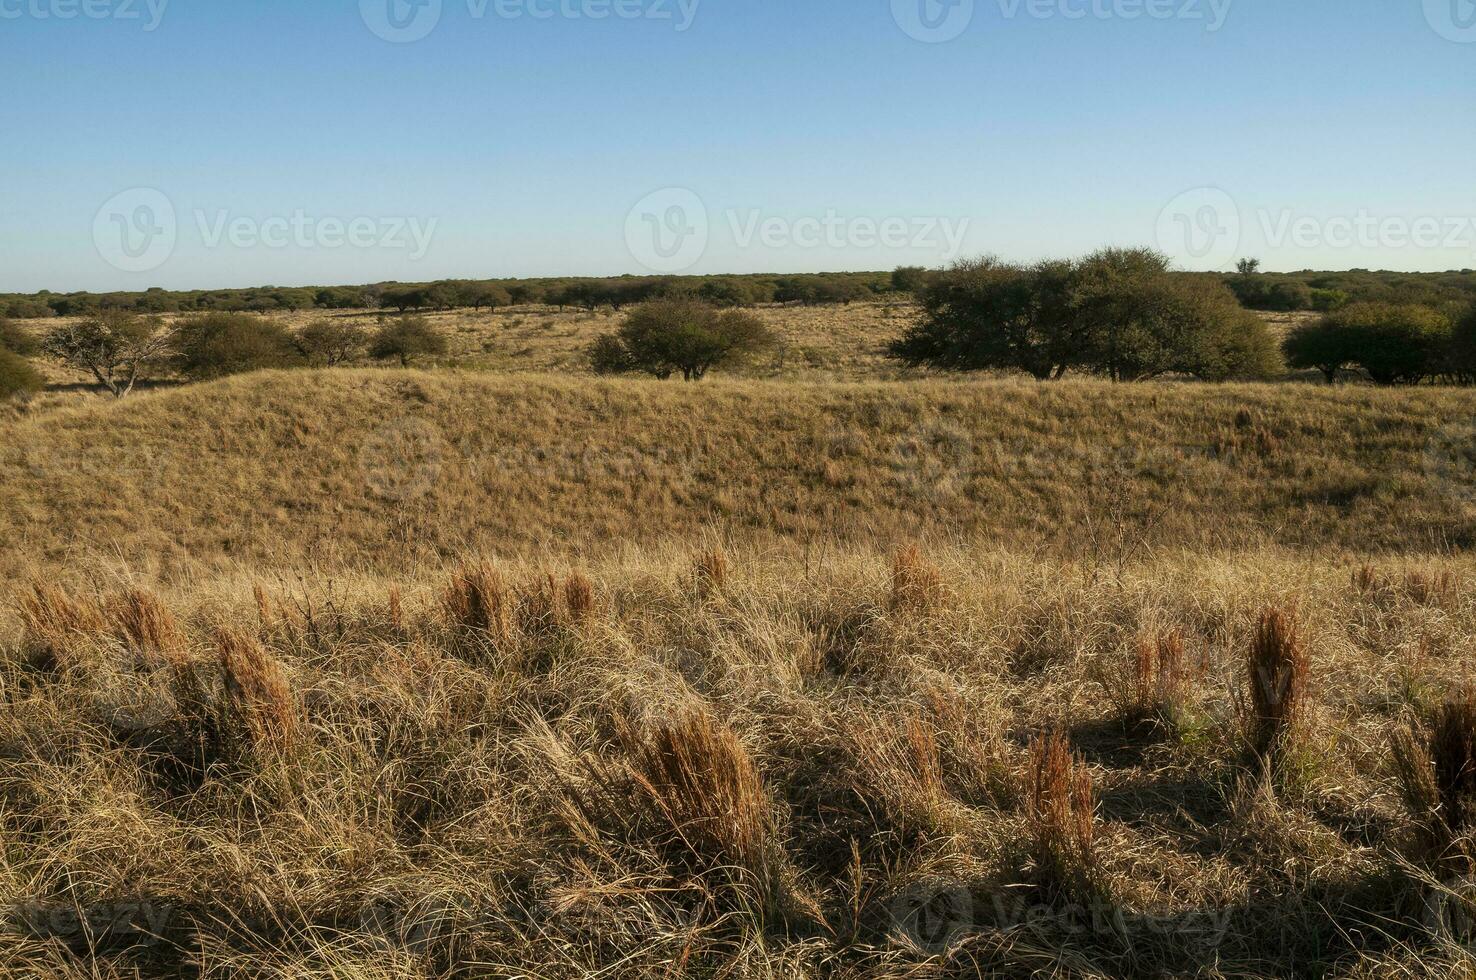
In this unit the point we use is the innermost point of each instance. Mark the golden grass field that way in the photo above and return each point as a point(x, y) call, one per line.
point(499, 670)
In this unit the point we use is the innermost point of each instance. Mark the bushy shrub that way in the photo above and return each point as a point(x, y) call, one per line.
point(221, 344)
point(1118, 312)
point(17, 340)
point(331, 342)
point(680, 336)
point(17, 377)
point(407, 338)
point(1395, 344)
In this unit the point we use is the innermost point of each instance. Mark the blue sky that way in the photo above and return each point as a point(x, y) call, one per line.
point(775, 135)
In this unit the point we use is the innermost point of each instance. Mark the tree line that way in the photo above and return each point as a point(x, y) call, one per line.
point(119, 349)
point(578, 293)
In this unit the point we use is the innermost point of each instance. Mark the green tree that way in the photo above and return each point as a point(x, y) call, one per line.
point(407, 338)
point(1395, 343)
point(680, 336)
point(984, 314)
point(115, 347)
point(480, 294)
point(219, 344)
point(1323, 345)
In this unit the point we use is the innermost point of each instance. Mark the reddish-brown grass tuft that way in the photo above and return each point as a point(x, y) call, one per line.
point(696, 774)
point(917, 585)
point(1277, 671)
point(142, 622)
point(712, 571)
point(579, 597)
point(478, 601)
point(1436, 770)
point(537, 604)
point(1061, 816)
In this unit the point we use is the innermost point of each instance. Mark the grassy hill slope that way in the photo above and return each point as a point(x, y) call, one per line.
point(382, 467)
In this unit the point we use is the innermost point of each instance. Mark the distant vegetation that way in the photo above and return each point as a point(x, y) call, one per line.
point(590, 294)
point(1117, 313)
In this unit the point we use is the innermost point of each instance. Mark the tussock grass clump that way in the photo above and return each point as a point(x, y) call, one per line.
point(56, 625)
point(579, 597)
point(258, 711)
point(1060, 817)
point(1436, 770)
point(1430, 588)
point(917, 585)
point(1154, 689)
point(478, 602)
point(697, 776)
point(1277, 671)
point(711, 570)
point(146, 626)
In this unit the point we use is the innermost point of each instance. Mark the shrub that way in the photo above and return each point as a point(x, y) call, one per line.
point(17, 377)
point(1277, 672)
point(1060, 817)
point(16, 340)
point(331, 342)
point(116, 348)
point(407, 338)
point(1462, 350)
point(680, 336)
point(909, 279)
point(1395, 344)
point(220, 344)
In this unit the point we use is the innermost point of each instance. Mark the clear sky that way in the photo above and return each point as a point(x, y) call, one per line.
point(214, 143)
